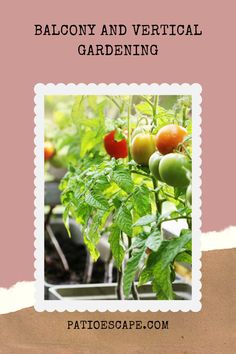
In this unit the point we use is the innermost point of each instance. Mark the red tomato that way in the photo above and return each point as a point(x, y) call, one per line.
point(49, 150)
point(169, 137)
point(117, 149)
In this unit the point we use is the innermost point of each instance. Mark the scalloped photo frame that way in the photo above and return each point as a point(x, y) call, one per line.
point(67, 303)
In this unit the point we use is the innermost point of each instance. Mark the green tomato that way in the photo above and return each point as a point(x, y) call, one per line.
point(154, 163)
point(142, 147)
point(173, 169)
point(59, 160)
point(189, 195)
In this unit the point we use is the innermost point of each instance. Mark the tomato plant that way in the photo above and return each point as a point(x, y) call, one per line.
point(130, 199)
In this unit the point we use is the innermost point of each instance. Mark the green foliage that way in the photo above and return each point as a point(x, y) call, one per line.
point(117, 248)
point(158, 267)
point(134, 262)
point(118, 197)
point(122, 178)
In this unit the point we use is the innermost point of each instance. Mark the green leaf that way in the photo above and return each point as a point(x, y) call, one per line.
point(145, 220)
point(145, 276)
point(164, 256)
point(122, 178)
point(117, 202)
point(144, 108)
point(117, 248)
point(162, 285)
point(154, 240)
point(66, 219)
point(119, 135)
point(102, 183)
point(141, 198)
point(172, 248)
point(131, 269)
point(91, 239)
point(184, 257)
point(164, 117)
point(77, 111)
point(179, 191)
point(140, 240)
point(88, 141)
point(92, 248)
point(96, 200)
point(83, 211)
point(124, 220)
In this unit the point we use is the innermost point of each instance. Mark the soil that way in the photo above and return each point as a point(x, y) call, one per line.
point(76, 258)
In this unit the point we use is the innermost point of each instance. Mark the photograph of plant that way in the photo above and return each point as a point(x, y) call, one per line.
point(122, 167)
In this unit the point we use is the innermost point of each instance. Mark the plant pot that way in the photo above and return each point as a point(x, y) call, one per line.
point(108, 292)
point(52, 195)
point(57, 172)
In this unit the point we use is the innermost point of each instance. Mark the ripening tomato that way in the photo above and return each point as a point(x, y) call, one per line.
point(142, 147)
point(169, 137)
point(173, 169)
point(117, 149)
point(49, 150)
point(154, 163)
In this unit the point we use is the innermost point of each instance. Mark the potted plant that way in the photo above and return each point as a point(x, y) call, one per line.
point(132, 177)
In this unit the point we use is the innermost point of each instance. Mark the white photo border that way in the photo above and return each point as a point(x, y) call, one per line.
point(42, 90)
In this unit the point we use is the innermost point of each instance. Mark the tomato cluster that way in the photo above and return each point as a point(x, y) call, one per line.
point(157, 152)
point(165, 164)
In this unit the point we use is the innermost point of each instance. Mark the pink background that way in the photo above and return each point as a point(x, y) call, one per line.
point(26, 60)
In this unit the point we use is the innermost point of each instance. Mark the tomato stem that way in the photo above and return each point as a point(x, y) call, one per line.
point(115, 102)
point(133, 287)
point(147, 100)
point(184, 117)
point(141, 173)
point(154, 109)
point(185, 150)
point(173, 197)
point(176, 218)
point(157, 201)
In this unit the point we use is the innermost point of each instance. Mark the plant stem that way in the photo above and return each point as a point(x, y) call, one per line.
point(147, 100)
point(171, 196)
point(184, 116)
point(140, 120)
point(157, 201)
point(133, 287)
point(141, 173)
point(176, 218)
point(185, 150)
point(120, 294)
point(114, 101)
point(154, 109)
